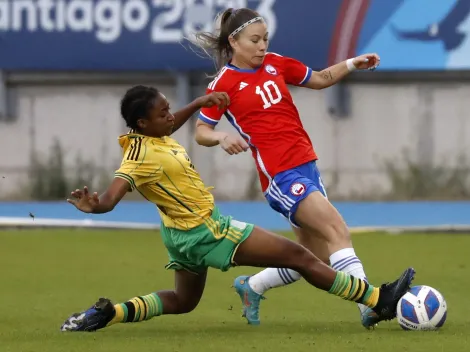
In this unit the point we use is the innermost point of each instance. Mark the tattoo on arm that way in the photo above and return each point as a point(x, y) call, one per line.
point(327, 75)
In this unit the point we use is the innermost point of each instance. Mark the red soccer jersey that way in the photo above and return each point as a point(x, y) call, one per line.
point(262, 110)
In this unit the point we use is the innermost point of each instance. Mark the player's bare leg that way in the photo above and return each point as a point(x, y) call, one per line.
point(277, 277)
point(329, 226)
point(263, 248)
point(327, 236)
point(313, 240)
point(183, 299)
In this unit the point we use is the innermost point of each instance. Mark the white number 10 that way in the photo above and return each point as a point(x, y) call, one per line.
point(267, 88)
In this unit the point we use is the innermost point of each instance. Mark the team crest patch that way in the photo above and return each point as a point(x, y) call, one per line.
point(271, 70)
point(297, 189)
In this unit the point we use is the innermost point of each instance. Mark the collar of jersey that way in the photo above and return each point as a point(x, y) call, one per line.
point(132, 134)
point(245, 70)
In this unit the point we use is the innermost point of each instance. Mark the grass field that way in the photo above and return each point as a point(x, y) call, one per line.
point(48, 274)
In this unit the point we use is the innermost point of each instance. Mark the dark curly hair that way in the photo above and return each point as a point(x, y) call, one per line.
point(136, 104)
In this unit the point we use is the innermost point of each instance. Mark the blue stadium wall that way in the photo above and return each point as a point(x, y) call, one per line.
point(367, 214)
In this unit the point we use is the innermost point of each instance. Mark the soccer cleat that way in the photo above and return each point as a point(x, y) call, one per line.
point(369, 318)
point(390, 294)
point(97, 317)
point(250, 299)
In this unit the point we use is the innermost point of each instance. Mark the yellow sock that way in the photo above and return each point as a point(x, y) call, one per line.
point(353, 289)
point(119, 317)
point(137, 309)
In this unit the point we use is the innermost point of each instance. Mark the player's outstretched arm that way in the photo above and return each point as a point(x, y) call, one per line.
point(335, 73)
point(219, 99)
point(88, 202)
point(208, 137)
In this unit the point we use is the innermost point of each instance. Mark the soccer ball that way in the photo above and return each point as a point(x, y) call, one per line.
point(422, 308)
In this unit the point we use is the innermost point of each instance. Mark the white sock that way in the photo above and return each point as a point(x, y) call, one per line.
point(345, 260)
point(272, 277)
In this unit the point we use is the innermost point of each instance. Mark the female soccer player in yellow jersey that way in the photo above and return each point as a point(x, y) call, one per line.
point(194, 232)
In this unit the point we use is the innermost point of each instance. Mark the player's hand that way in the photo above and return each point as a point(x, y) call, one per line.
point(233, 144)
point(220, 99)
point(84, 201)
point(367, 62)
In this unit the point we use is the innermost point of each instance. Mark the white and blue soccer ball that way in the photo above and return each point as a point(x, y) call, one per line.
point(422, 308)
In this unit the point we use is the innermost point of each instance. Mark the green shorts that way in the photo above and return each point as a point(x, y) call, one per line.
point(211, 244)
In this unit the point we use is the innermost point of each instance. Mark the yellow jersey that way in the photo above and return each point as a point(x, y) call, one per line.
point(161, 170)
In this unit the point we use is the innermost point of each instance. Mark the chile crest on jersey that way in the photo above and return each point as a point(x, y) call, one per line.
point(261, 88)
point(271, 70)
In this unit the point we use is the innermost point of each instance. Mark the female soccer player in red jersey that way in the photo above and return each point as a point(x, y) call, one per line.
point(263, 112)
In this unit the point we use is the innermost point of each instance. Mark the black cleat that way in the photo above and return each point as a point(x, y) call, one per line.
point(97, 317)
point(391, 293)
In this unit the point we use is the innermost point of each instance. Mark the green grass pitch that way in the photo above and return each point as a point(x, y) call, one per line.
point(48, 274)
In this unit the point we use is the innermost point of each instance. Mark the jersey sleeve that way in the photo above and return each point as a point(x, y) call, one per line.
point(138, 173)
point(138, 167)
point(295, 72)
point(211, 115)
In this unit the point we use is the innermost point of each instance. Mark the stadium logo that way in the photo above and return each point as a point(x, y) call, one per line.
point(271, 70)
point(297, 189)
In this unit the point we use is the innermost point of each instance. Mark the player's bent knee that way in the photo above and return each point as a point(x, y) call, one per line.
point(187, 309)
point(187, 306)
point(329, 226)
point(341, 230)
point(185, 303)
point(330, 232)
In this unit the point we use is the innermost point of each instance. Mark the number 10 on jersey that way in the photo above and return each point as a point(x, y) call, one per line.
point(266, 93)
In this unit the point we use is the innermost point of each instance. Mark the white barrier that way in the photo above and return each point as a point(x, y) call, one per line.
point(22, 222)
point(11, 222)
point(397, 230)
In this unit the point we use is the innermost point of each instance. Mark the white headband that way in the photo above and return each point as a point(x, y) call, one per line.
point(244, 25)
